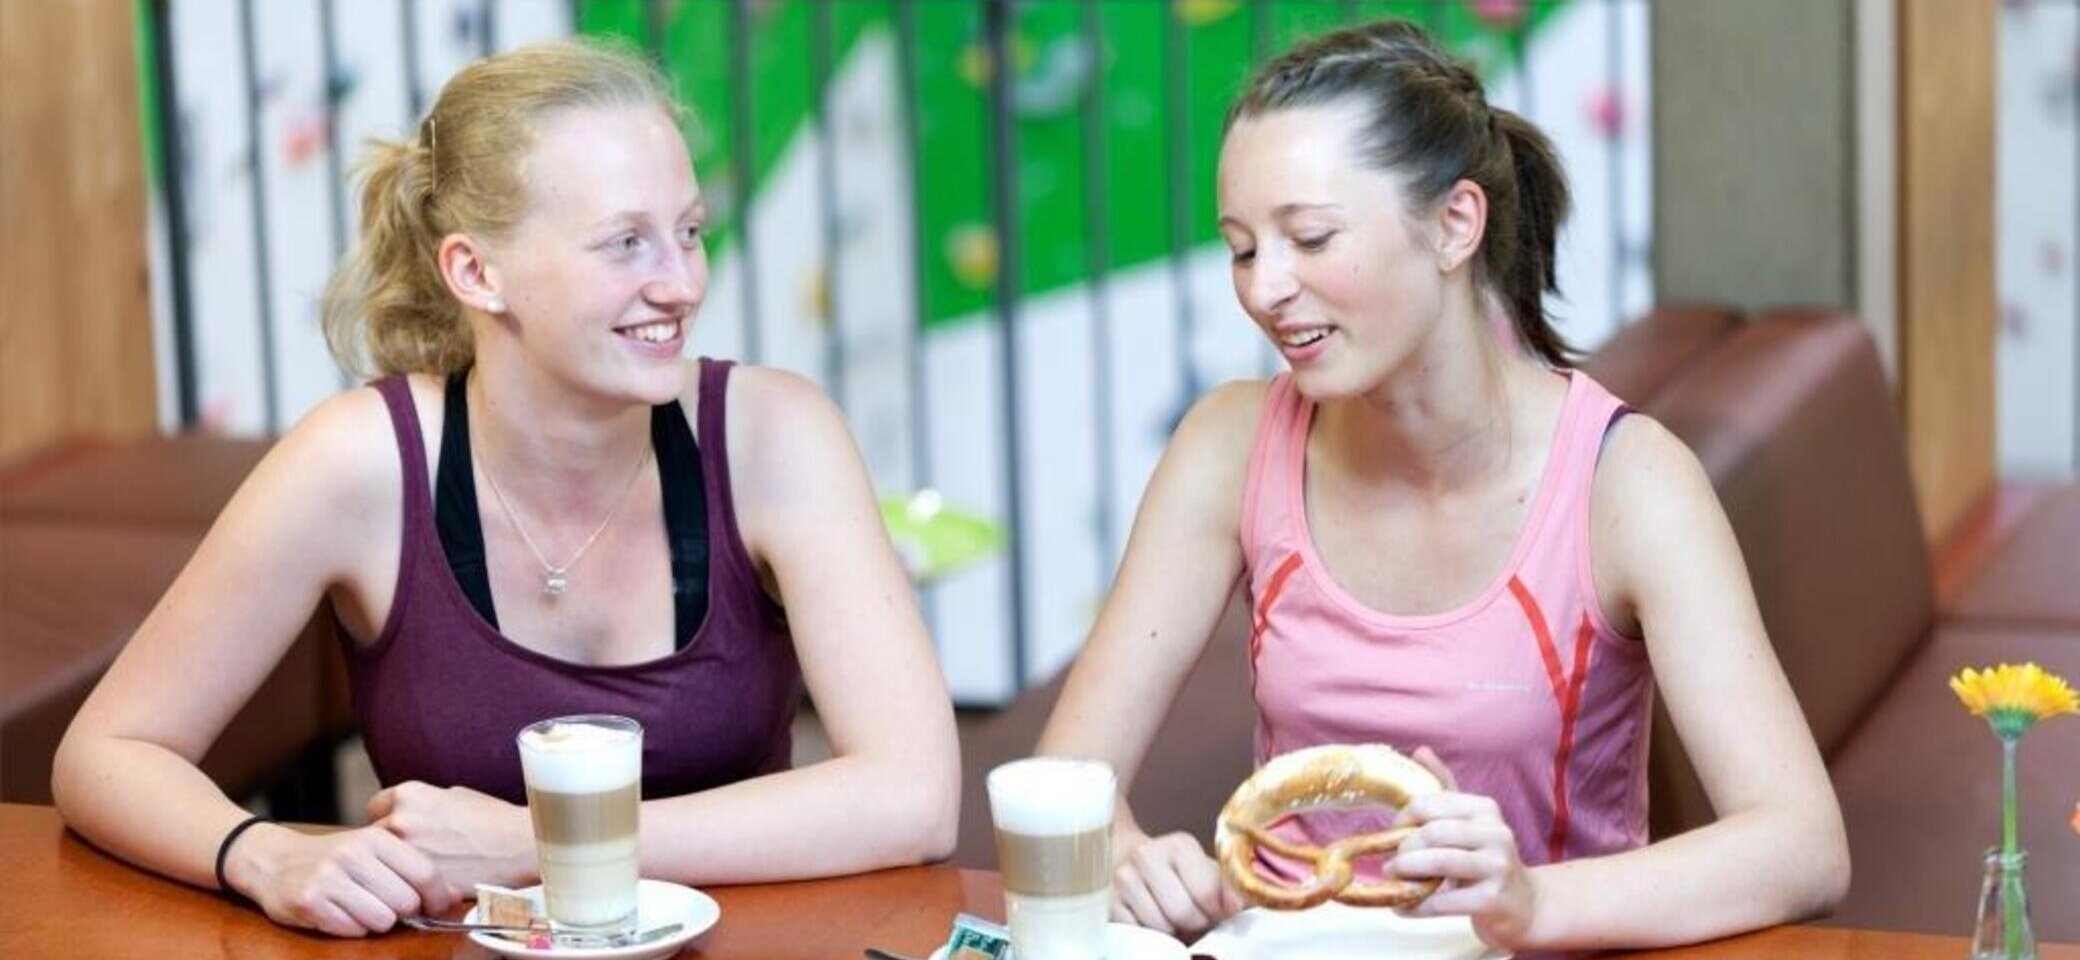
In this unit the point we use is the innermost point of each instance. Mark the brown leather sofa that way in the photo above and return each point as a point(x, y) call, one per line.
point(1792, 417)
point(91, 535)
point(2033, 578)
point(1796, 424)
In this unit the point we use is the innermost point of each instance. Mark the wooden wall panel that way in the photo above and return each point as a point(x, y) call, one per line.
point(75, 299)
point(1946, 263)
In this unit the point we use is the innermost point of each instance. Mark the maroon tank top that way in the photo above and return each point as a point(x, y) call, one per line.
point(441, 694)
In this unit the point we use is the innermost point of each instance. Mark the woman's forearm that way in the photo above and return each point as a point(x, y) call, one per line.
point(844, 815)
point(1747, 871)
point(145, 804)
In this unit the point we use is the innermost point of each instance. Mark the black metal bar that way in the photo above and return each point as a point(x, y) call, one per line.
point(173, 188)
point(742, 157)
point(1259, 47)
point(1520, 59)
point(656, 20)
point(1098, 262)
point(415, 98)
point(1177, 163)
point(262, 271)
point(335, 167)
point(576, 11)
point(328, 53)
point(907, 85)
point(1614, 153)
point(1003, 156)
point(823, 56)
point(487, 27)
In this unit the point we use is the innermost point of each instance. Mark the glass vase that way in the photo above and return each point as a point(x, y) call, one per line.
point(2003, 930)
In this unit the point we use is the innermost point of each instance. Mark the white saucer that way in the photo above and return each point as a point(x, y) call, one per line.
point(1125, 941)
point(658, 902)
point(1334, 931)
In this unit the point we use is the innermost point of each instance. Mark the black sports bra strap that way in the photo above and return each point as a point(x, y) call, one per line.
point(685, 517)
point(455, 503)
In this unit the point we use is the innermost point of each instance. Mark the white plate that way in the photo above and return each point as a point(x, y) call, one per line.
point(1334, 931)
point(658, 902)
point(1124, 941)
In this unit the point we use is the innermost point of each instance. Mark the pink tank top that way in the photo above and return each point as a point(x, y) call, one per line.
point(1526, 692)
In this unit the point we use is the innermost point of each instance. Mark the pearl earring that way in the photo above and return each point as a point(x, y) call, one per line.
point(495, 304)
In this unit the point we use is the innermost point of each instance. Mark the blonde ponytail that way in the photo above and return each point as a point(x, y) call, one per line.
point(386, 309)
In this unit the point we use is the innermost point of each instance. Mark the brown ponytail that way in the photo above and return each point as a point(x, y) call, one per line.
point(386, 309)
point(1522, 266)
point(1428, 120)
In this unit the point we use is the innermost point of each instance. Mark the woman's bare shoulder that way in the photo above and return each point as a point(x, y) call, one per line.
point(1221, 426)
point(345, 450)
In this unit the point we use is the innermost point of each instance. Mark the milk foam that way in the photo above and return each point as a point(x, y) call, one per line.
point(580, 757)
point(1051, 796)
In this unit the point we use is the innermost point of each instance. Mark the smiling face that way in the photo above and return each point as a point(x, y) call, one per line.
point(603, 275)
point(1327, 258)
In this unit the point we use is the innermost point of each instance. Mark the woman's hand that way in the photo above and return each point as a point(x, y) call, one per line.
point(471, 837)
point(1463, 840)
point(1168, 883)
point(348, 884)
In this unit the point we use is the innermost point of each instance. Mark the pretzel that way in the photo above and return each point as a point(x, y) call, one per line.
point(1335, 775)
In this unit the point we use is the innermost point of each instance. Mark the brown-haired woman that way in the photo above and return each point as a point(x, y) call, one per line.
point(1451, 542)
point(540, 510)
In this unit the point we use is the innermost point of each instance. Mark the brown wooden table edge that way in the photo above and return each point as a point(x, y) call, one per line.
point(33, 832)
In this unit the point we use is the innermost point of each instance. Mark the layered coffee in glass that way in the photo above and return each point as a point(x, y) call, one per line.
point(584, 787)
point(1053, 819)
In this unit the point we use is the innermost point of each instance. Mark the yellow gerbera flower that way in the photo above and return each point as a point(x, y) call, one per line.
point(2012, 698)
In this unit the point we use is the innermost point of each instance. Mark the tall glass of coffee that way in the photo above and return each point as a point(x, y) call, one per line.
point(1053, 818)
point(584, 785)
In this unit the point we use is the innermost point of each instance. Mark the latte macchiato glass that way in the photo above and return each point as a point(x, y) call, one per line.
point(584, 785)
point(1053, 818)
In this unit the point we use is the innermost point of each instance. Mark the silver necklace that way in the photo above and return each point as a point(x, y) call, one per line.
point(556, 577)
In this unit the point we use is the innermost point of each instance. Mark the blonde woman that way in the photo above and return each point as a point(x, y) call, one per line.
point(539, 509)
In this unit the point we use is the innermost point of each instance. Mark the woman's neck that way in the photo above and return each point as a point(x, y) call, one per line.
point(563, 454)
point(1447, 417)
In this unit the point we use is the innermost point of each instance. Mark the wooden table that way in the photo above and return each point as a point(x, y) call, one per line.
point(60, 898)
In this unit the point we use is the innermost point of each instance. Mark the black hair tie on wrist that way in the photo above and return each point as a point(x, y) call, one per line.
point(224, 849)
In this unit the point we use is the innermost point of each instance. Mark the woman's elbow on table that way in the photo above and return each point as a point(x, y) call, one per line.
point(1820, 867)
point(933, 813)
point(936, 839)
point(904, 811)
point(72, 770)
point(1831, 874)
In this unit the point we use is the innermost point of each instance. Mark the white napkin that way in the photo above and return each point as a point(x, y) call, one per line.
point(1333, 931)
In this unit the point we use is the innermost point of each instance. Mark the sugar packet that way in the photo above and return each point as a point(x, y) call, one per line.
point(977, 939)
point(501, 907)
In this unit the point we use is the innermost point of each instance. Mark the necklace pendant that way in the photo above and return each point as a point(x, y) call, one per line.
point(554, 583)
